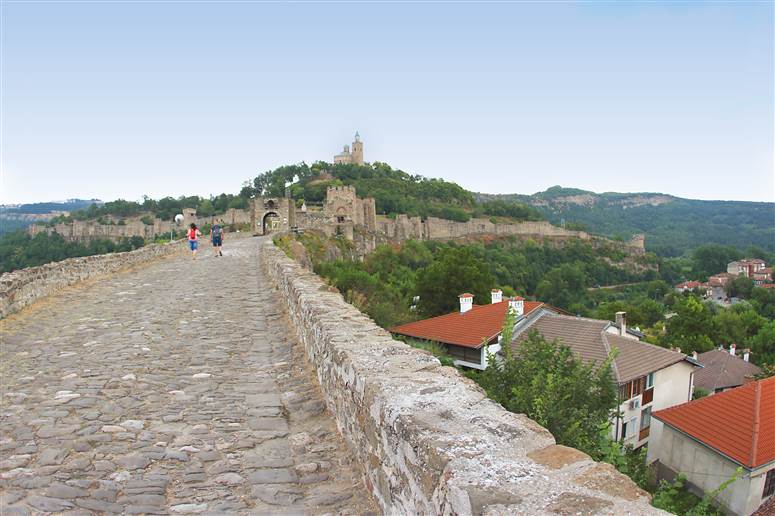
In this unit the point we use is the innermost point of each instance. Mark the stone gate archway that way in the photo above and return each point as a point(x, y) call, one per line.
point(270, 222)
point(270, 215)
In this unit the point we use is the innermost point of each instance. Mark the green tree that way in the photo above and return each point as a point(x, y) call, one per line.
point(455, 271)
point(727, 328)
point(740, 287)
point(548, 383)
point(763, 345)
point(205, 208)
point(689, 328)
point(562, 286)
point(712, 259)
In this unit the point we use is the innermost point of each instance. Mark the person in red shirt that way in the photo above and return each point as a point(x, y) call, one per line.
point(193, 239)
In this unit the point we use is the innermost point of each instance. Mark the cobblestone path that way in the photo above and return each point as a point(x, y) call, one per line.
point(174, 388)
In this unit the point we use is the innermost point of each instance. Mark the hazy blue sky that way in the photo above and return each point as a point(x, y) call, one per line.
point(106, 99)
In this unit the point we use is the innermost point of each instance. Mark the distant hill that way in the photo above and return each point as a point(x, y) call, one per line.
point(19, 216)
point(672, 225)
point(48, 207)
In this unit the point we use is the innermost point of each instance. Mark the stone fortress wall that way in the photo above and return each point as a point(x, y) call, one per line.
point(404, 227)
point(85, 230)
point(342, 212)
point(25, 286)
point(427, 439)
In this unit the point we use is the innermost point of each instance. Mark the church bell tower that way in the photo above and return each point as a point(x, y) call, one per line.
point(357, 150)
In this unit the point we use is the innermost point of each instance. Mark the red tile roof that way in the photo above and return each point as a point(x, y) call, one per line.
point(739, 423)
point(470, 329)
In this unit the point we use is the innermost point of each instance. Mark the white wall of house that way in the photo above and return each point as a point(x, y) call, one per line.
point(706, 469)
point(675, 386)
point(672, 386)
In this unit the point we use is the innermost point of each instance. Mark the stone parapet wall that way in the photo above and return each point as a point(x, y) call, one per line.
point(25, 286)
point(86, 230)
point(443, 229)
point(429, 440)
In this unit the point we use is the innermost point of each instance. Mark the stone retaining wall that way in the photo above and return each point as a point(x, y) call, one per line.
point(25, 286)
point(428, 439)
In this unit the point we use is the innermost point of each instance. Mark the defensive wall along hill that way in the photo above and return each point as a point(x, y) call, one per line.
point(342, 213)
point(428, 439)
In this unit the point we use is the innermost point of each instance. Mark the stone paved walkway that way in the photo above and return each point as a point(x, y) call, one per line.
point(173, 388)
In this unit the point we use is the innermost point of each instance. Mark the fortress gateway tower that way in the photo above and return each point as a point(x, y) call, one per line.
point(356, 156)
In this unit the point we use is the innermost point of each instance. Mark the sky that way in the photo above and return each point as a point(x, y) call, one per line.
point(111, 100)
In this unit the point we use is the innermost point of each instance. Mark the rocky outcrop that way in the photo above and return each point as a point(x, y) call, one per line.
point(23, 287)
point(429, 440)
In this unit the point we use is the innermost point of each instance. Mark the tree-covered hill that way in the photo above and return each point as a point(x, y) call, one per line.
point(394, 191)
point(19, 216)
point(672, 225)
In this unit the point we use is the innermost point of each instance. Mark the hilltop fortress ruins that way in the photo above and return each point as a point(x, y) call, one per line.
point(343, 213)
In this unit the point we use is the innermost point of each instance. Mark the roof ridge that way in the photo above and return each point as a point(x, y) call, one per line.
point(607, 347)
point(579, 318)
point(530, 322)
point(757, 401)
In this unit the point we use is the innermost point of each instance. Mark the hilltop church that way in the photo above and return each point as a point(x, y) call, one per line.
point(355, 157)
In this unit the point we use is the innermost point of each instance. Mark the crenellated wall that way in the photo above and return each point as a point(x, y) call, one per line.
point(86, 230)
point(429, 440)
point(25, 286)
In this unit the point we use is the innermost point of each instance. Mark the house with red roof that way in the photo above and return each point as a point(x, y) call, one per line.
point(471, 334)
point(709, 438)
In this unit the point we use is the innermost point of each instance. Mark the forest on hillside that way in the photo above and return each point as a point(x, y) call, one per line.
point(673, 226)
point(385, 284)
point(19, 250)
point(165, 208)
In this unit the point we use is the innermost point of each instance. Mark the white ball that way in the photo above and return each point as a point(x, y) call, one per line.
point(178, 218)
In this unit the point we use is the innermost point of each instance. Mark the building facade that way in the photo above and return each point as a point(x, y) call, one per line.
point(648, 377)
point(710, 438)
point(354, 156)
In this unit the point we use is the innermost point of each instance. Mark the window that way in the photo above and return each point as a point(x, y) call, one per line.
point(769, 484)
point(632, 427)
point(625, 391)
point(645, 418)
point(638, 386)
point(650, 381)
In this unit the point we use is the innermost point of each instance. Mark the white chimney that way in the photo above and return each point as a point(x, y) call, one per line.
point(497, 295)
point(694, 355)
point(517, 305)
point(746, 354)
point(621, 322)
point(466, 302)
point(732, 348)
